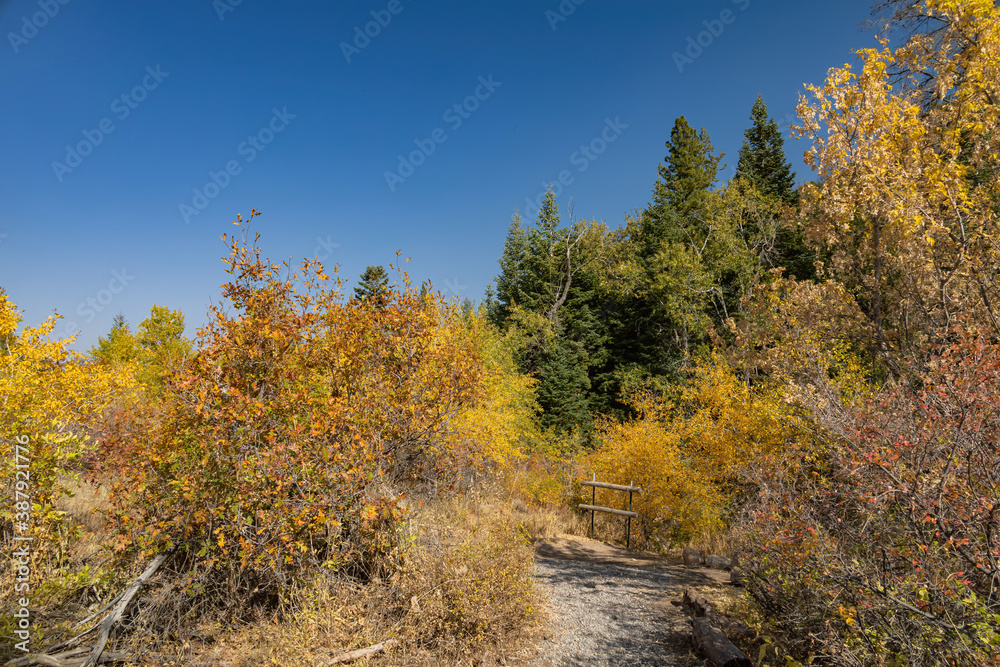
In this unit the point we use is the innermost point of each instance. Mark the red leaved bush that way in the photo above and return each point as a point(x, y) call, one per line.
point(882, 543)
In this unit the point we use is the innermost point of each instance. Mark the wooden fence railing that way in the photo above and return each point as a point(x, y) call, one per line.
point(628, 514)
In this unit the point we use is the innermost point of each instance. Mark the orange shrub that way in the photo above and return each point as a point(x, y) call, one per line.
point(282, 444)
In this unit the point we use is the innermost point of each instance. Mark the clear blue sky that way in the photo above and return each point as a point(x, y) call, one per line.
point(188, 88)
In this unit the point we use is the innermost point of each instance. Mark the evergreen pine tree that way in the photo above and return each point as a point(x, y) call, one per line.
point(653, 329)
point(762, 162)
point(681, 192)
point(544, 265)
point(531, 266)
point(582, 323)
point(762, 157)
point(564, 385)
point(565, 337)
point(511, 283)
point(374, 285)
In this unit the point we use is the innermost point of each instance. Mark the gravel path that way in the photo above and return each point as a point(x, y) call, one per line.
point(609, 613)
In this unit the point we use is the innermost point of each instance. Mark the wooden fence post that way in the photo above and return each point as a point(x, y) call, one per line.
point(628, 520)
point(628, 514)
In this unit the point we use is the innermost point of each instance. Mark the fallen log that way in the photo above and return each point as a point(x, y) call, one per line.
point(712, 643)
point(351, 656)
point(119, 609)
point(76, 657)
point(699, 604)
point(99, 611)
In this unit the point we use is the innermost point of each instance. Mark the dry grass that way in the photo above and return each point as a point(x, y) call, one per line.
point(68, 578)
point(540, 522)
point(551, 521)
point(84, 504)
point(719, 544)
point(462, 595)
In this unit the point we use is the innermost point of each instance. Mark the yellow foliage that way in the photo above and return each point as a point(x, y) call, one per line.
point(689, 452)
point(540, 485)
point(730, 424)
point(504, 418)
point(47, 395)
point(806, 336)
point(676, 498)
point(288, 439)
point(905, 198)
point(46, 392)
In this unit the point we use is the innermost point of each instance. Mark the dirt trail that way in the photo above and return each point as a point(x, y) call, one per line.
point(611, 606)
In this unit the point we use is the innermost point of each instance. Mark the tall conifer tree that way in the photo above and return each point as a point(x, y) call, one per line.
point(511, 284)
point(762, 157)
point(556, 312)
point(687, 174)
point(653, 330)
point(763, 164)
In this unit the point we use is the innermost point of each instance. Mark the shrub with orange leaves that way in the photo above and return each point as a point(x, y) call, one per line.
point(284, 443)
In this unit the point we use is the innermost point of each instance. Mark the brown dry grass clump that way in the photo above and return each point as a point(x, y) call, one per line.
point(462, 593)
point(85, 505)
point(540, 522)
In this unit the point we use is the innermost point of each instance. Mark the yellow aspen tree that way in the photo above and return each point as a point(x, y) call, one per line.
point(49, 397)
point(908, 183)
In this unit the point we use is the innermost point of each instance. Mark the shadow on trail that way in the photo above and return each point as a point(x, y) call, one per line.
point(618, 614)
point(586, 573)
point(607, 554)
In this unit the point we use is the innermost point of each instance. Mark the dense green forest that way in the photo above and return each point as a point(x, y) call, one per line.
point(606, 311)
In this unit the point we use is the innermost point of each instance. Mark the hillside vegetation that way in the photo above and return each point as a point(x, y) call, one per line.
point(808, 377)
